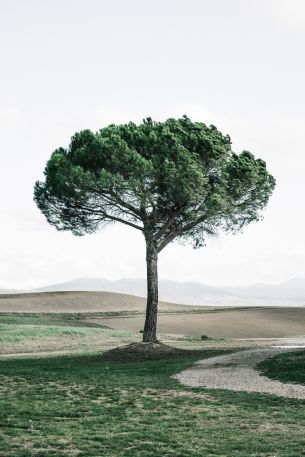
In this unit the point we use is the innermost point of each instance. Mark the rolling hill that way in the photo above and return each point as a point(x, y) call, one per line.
point(77, 302)
point(127, 312)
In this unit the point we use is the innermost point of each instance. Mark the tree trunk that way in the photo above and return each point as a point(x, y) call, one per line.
point(150, 327)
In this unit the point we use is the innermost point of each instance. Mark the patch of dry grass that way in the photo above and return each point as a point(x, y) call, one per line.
point(32, 338)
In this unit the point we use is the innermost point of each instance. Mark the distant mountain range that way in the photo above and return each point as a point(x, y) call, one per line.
point(9, 291)
point(289, 293)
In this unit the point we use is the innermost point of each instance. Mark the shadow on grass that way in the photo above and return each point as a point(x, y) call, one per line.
point(87, 406)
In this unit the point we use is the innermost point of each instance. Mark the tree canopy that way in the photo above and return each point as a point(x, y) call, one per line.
point(176, 179)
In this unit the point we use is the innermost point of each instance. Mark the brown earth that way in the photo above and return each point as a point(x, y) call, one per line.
point(223, 323)
point(78, 302)
point(188, 320)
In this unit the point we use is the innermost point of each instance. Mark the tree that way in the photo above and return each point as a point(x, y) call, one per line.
point(176, 180)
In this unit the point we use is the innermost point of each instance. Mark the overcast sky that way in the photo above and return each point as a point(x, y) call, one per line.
point(67, 65)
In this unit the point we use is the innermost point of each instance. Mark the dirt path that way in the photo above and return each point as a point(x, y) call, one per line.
point(237, 372)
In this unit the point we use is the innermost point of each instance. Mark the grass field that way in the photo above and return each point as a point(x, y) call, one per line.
point(286, 367)
point(82, 406)
point(44, 334)
point(78, 404)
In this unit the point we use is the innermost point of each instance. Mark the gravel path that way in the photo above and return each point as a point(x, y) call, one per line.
point(237, 372)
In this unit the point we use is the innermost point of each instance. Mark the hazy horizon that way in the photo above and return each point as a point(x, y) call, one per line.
point(70, 65)
point(143, 278)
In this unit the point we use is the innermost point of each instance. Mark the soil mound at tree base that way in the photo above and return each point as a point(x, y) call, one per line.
point(146, 351)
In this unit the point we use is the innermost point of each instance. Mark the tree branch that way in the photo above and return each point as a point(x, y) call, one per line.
point(89, 211)
point(118, 219)
point(168, 223)
point(166, 241)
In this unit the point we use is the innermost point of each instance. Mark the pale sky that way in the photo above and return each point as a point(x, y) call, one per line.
point(67, 65)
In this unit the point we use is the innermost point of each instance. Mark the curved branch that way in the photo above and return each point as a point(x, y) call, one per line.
point(118, 219)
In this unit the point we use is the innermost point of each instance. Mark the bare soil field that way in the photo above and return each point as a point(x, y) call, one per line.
point(174, 319)
point(223, 323)
point(79, 302)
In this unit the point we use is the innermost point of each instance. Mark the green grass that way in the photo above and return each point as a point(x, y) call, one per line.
point(289, 367)
point(21, 333)
point(74, 320)
point(82, 405)
point(27, 334)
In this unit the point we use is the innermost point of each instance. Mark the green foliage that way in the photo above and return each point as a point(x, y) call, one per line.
point(171, 180)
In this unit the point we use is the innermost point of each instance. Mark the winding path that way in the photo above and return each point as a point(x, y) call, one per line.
point(237, 372)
